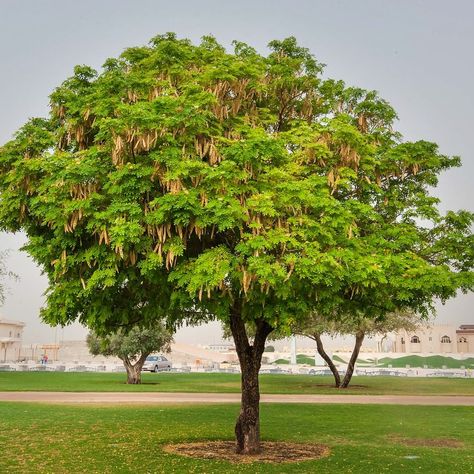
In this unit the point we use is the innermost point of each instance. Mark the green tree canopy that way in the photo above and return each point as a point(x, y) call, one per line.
point(230, 185)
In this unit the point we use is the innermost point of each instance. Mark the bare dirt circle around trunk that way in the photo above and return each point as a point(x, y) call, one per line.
point(272, 451)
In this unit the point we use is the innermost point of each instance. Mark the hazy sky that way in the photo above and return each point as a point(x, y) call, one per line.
point(417, 54)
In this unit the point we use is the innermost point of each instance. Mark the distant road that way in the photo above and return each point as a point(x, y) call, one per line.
point(110, 398)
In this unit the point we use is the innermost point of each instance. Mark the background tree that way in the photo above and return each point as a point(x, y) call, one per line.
point(186, 181)
point(131, 346)
point(359, 327)
point(4, 274)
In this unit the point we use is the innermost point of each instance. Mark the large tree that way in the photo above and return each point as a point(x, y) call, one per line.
point(132, 346)
point(189, 181)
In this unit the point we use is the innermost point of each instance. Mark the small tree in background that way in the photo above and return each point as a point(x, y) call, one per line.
point(350, 325)
point(132, 347)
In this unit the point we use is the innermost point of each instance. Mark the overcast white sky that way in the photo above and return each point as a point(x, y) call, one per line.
point(417, 54)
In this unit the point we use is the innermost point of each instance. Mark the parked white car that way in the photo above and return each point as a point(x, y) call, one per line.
point(156, 363)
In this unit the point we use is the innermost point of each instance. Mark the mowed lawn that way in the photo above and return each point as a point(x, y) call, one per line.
point(230, 383)
point(37, 438)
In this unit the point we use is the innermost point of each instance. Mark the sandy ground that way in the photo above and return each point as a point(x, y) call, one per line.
point(110, 398)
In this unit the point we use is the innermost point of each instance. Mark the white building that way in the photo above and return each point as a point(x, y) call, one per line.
point(435, 339)
point(11, 334)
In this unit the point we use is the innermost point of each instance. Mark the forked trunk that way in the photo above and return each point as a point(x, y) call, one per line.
point(247, 427)
point(327, 359)
point(355, 353)
point(134, 371)
point(134, 376)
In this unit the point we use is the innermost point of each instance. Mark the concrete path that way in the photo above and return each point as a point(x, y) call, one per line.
point(110, 398)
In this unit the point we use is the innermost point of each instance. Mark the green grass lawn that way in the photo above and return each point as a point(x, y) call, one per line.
point(229, 383)
point(37, 438)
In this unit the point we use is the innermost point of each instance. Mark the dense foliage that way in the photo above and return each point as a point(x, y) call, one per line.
point(226, 174)
point(131, 345)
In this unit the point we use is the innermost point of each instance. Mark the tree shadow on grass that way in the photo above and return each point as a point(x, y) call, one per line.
point(272, 451)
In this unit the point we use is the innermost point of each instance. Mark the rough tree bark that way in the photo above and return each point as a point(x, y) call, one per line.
point(134, 371)
point(355, 353)
point(327, 359)
point(247, 427)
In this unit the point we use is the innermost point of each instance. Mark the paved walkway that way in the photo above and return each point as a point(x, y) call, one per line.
point(107, 398)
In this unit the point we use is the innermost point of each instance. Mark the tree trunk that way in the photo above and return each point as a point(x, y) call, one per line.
point(247, 427)
point(355, 353)
point(134, 371)
point(327, 359)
